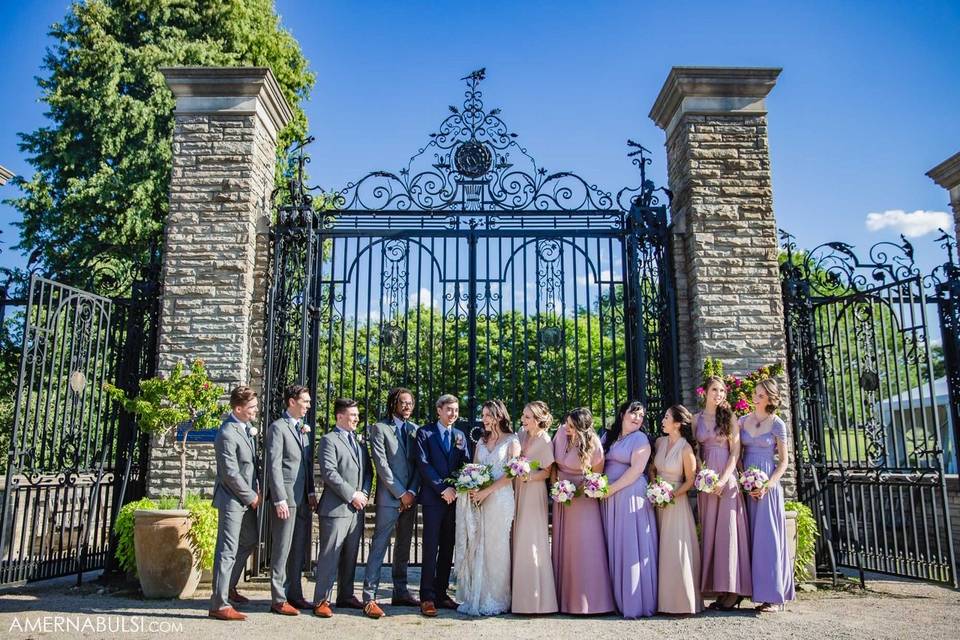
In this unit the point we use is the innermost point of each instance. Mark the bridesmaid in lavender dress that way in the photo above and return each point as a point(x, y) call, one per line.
point(764, 434)
point(628, 519)
point(724, 545)
point(678, 584)
point(579, 550)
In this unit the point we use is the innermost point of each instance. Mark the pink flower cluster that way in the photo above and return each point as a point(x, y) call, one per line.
point(563, 491)
point(753, 479)
point(706, 481)
point(520, 466)
point(660, 492)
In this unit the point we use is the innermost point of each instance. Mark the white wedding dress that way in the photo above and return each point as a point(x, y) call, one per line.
point(482, 552)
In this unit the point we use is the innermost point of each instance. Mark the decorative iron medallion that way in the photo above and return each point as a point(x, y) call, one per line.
point(473, 159)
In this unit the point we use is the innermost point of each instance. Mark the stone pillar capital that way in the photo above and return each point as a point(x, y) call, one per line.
point(5, 175)
point(947, 175)
point(713, 91)
point(229, 91)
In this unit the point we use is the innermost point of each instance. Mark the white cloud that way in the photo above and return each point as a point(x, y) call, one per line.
point(425, 299)
point(913, 224)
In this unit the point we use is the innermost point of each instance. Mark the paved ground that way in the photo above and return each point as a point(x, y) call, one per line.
point(887, 609)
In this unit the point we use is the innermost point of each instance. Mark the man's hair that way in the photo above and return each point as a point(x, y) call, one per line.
point(293, 392)
point(393, 400)
point(447, 398)
point(241, 396)
point(340, 405)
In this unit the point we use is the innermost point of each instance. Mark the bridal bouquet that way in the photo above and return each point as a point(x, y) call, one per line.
point(660, 492)
point(753, 479)
point(520, 466)
point(707, 480)
point(563, 491)
point(473, 476)
point(595, 485)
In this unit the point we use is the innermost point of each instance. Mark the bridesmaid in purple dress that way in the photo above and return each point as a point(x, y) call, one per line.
point(579, 551)
point(628, 519)
point(724, 544)
point(764, 434)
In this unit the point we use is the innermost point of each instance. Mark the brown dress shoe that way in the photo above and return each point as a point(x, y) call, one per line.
point(284, 609)
point(373, 610)
point(405, 600)
point(353, 602)
point(428, 609)
point(323, 610)
point(236, 598)
point(227, 613)
point(446, 602)
point(302, 604)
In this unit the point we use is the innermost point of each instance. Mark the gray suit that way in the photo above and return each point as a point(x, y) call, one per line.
point(235, 489)
point(289, 477)
point(396, 464)
point(345, 469)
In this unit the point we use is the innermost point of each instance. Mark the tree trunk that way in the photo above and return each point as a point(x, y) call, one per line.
point(183, 469)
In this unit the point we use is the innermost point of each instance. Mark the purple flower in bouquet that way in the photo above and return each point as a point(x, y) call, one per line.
point(707, 480)
point(660, 492)
point(520, 466)
point(563, 491)
point(595, 485)
point(753, 479)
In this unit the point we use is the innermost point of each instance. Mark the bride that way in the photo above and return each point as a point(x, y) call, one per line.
point(484, 518)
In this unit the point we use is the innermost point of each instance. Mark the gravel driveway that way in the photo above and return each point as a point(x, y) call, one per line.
point(887, 609)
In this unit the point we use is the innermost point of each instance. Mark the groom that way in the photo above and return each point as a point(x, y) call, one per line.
point(441, 451)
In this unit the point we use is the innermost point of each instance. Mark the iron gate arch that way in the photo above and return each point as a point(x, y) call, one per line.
point(473, 270)
point(871, 443)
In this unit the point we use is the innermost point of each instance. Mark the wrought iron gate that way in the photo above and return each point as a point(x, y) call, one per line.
point(73, 458)
point(472, 271)
point(870, 435)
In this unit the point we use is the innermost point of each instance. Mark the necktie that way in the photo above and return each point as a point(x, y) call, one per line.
point(446, 440)
point(353, 444)
point(400, 438)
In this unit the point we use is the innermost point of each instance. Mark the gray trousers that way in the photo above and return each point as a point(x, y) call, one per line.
point(287, 552)
point(337, 556)
point(390, 520)
point(236, 538)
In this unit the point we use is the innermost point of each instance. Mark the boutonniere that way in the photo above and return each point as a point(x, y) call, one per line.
point(252, 432)
point(304, 428)
point(460, 442)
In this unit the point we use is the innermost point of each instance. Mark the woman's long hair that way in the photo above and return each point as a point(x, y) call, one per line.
point(724, 415)
point(630, 406)
point(499, 412)
point(681, 414)
point(582, 439)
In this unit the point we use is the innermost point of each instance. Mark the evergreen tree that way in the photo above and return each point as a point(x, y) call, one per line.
point(97, 201)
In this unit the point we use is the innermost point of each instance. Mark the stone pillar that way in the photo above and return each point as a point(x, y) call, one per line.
point(947, 175)
point(724, 233)
point(217, 235)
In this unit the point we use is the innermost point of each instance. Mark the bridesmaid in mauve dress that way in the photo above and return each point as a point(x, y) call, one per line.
point(628, 517)
point(725, 546)
point(534, 590)
point(679, 571)
point(579, 549)
point(764, 434)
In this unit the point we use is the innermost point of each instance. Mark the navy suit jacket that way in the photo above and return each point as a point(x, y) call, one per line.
point(436, 466)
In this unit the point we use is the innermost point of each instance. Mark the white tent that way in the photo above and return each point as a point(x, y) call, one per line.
point(912, 411)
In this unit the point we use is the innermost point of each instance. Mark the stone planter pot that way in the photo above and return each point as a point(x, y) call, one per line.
point(791, 517)
point(165, 561)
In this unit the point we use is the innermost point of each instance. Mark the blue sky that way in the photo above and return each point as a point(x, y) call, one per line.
point(866, 104)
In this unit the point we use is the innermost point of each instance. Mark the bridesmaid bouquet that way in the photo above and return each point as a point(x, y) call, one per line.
point(753, 479)
point(660, 492)
point(595, 485)
point(563, 491)
point(707, 480)
point(520, 466)
point(473, 476)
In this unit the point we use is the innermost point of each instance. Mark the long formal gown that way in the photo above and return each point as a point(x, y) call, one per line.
point(534, 590)
point(679, 571)
point(771, 564)
point(724, 545)
point(631, 531)
point(579, 548)
point(482, 551)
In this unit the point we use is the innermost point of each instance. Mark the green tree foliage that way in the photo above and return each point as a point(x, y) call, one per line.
point(102, 165)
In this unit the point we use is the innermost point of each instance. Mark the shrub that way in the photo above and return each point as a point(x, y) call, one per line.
point(807, 534)
point(202, 534)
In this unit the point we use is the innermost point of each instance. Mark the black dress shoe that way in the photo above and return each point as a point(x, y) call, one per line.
point(405, 600)
point(353, 602)
point(446, 602)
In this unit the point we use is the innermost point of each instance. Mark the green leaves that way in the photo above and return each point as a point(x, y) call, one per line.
point(807, 534)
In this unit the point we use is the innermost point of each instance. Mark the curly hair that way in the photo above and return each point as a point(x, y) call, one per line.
point(582, 438)
point(541, 413)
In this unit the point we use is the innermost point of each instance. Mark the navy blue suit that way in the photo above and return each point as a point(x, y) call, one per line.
point(439, 518)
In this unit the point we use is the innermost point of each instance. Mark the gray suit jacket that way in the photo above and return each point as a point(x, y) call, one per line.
point(343, 473)
point(395, 461)
point(289, 463)
point(236, 485)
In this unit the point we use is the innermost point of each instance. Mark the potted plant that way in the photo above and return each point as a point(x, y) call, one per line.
point(168, 551)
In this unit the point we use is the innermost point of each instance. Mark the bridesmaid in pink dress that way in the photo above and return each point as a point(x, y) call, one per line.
point(579, 547)
point(724, 544)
